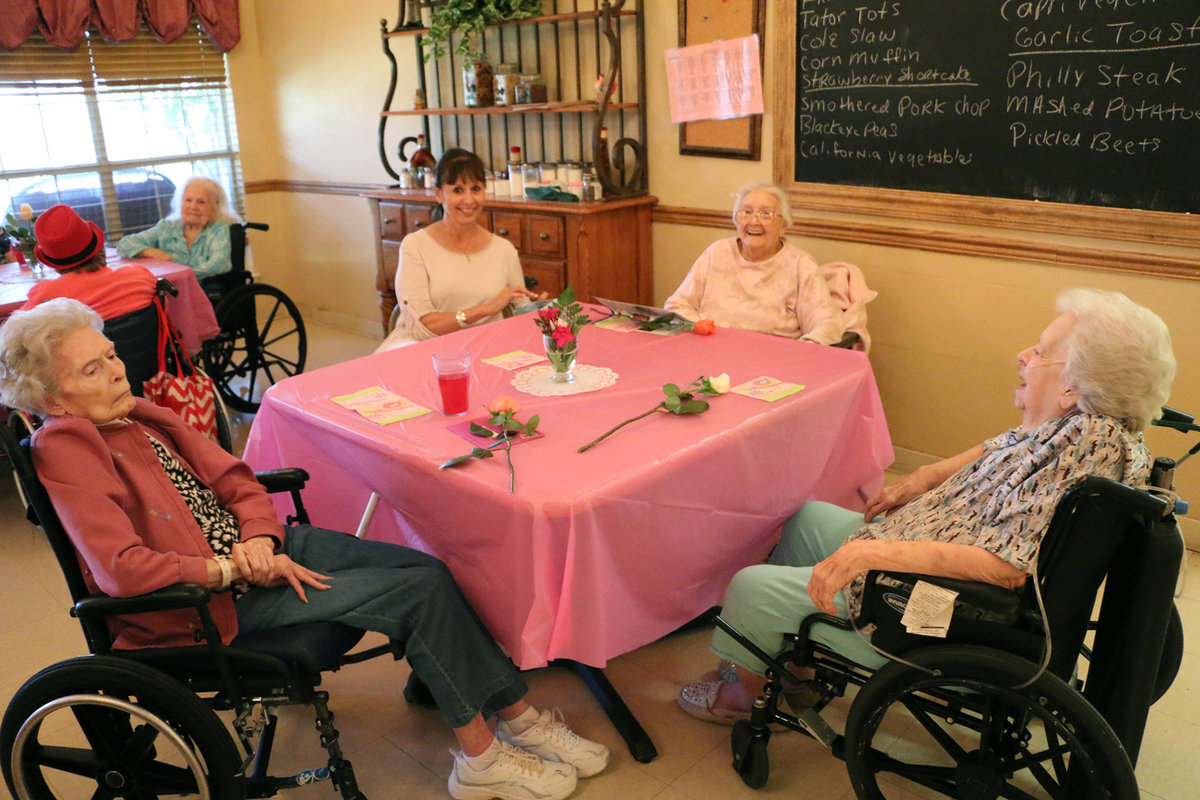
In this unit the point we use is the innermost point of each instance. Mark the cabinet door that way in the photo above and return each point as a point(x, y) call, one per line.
point(545, 235)
point(391, 220)
point(509, 225)
point(416, 217)
point(551, 275)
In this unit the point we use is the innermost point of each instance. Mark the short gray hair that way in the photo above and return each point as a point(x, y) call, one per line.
point(1118, 356)
point(785, 205)
point(221, 212)
point(29, 342)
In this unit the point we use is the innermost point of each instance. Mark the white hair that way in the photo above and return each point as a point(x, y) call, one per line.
point(1118, 356)
point(785, 205)
point(221, 212)
point(29, 342)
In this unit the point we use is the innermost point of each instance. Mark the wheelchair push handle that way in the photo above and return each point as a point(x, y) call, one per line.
point(256, 226)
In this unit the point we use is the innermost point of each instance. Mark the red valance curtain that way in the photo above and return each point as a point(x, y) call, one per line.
point(63, 22)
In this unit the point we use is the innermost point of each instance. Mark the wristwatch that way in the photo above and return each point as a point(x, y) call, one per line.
point(462, 319)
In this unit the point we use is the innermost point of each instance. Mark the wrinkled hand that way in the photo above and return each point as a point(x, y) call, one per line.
point(280, 569)
point(154, 252)
point(833, 574)
point(253, 558)
point(895, 495)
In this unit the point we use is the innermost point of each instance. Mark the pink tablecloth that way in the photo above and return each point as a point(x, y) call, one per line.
point(602, 552)
point(190, 312)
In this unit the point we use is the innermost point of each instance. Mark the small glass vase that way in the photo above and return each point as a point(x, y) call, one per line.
point(562, 359)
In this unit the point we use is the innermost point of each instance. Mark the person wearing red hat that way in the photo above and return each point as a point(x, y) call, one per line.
point(75, 248)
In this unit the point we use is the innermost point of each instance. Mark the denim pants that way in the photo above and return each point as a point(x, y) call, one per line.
point(407, 596)
point(766, 601)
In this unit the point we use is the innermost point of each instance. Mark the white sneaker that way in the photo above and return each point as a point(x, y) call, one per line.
point(514, 775)
point(551, 739)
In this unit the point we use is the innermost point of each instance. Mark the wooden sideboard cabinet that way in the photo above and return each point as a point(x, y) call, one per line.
point(601, 249)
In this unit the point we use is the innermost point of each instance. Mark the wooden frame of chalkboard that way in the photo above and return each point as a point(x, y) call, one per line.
point(1128, 229)
point(704, 21)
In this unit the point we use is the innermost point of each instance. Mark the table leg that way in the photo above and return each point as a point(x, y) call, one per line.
point(640, 746)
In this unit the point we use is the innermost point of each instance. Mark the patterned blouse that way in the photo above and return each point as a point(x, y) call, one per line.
point(1003, 502)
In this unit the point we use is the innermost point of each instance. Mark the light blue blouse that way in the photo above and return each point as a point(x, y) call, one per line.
point(209, 254)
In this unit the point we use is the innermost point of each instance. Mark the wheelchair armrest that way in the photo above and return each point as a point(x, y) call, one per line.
point(179, 595)
point(282, 480)
point(986, 596)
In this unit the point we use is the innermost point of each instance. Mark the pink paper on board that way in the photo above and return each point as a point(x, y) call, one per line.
point(720, 80)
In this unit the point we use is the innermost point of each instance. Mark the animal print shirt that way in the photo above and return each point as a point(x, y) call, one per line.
point(1003, 502)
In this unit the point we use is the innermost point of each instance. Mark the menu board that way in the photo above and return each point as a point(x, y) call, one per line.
point(1091, 102)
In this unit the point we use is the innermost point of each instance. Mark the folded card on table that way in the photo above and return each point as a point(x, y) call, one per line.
point(769, 389)
point(379, 405)
point(515, 360)
point(463, 429)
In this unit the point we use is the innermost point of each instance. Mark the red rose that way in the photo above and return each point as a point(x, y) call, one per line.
point(705, 327)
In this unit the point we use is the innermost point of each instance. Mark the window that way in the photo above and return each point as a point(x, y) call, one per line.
point(113, 129)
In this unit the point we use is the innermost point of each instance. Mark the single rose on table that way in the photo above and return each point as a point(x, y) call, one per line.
point(679, 401)
point(505, 426)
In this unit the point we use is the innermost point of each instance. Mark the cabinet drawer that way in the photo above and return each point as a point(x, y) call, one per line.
point(417, 217)
point(509, 226)
point(551, 275)
point(391, 220)
point(545, 235)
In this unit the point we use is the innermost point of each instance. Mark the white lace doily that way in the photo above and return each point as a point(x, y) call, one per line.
point(588, 378)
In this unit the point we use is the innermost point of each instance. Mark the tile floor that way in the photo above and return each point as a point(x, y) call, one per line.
point(400, 752)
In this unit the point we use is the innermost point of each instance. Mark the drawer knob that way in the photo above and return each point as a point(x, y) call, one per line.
point(388, 220)
point(545, 237)
point(502, 231)
point(419, 224)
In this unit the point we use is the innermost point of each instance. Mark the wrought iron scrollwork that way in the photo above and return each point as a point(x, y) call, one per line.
point(610, 167)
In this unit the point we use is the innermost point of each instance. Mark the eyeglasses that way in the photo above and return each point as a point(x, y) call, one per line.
point(763, 214)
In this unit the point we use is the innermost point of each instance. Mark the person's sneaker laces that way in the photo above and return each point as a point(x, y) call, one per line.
point(514, 775)
point(551, 739)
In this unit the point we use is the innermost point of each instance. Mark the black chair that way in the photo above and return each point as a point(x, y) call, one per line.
point(141, 724)
point(1001, 704)
point(262, 338)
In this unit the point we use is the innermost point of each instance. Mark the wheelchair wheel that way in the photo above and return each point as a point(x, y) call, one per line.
point(750, 760)
point(1172, 655)
point(976, 736)
point(104, 727)
point(262, 340)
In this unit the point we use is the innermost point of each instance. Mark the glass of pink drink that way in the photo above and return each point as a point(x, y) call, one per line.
point(453, 368)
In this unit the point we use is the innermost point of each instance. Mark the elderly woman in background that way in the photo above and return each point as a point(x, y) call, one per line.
point(756, 281)
point(455, 273)
point(1095, 379)
point(149, 502)
point(75, 248)
point(196, 233)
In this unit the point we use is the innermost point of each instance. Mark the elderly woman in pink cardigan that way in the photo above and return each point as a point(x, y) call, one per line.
point(758, 282)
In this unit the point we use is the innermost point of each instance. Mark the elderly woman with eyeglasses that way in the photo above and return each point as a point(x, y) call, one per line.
point(756, 281)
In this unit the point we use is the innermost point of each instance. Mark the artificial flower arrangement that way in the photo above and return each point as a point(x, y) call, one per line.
point(688, 400)
point(504, 427)
point(23, 238)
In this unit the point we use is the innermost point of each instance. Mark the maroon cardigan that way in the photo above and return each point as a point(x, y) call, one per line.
point(132, 528)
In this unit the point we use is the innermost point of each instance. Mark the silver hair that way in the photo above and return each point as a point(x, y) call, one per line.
point(221, 212)
point(1118, 356)
point(29, 342)
point(785, 205)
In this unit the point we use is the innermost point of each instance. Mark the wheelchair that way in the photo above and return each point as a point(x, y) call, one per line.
point(262, 338)
point(1004, 705)
point(141, 724)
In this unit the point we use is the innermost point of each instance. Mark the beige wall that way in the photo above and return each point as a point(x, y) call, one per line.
point(309, 80)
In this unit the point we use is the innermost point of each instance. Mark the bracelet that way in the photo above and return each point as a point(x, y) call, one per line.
point(226, 571)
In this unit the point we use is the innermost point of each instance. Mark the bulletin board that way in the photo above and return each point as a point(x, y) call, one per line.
point(702, 22)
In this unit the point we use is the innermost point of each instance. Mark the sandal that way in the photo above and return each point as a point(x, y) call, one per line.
point(728, 671)
point(699, 698)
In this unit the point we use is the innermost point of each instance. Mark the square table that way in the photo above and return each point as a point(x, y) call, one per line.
point(596, 553)
point(190, 311)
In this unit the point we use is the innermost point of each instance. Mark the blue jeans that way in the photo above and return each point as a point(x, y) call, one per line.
point(766, 601)
point(407, 596)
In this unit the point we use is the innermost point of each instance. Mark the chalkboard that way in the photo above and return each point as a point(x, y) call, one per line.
point(1090, 102)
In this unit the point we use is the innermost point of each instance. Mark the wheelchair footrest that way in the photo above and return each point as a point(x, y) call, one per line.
point(812, 721)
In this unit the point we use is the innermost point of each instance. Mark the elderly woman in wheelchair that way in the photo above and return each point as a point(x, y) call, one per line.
point(1096, 378)
point(149, 503)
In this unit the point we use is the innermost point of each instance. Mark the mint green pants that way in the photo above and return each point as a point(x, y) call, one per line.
point(766, 601)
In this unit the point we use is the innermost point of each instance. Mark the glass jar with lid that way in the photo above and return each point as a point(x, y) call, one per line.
point(478, 84)
point(506, 79)
point(531, 89)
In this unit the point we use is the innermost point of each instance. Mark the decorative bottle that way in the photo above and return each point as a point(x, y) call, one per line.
point(516, 173)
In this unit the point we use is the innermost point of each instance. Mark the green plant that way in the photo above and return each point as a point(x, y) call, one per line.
point(469, 18)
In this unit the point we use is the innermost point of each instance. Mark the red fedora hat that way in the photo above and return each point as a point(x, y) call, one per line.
point(64, 239)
